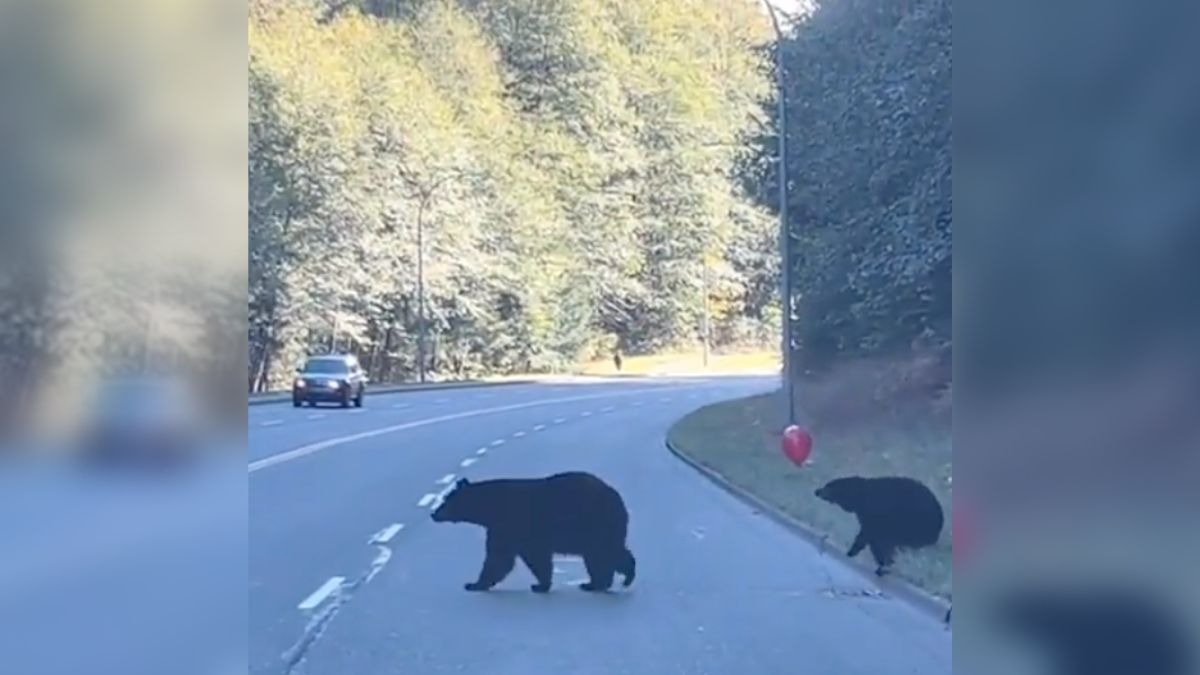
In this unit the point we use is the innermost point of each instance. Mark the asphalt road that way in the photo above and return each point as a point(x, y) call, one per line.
point(348, 574)
point(131, 574)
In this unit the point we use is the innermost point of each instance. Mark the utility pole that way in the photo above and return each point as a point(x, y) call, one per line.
point(705, 335)
point(421, 288)
point(785, 239)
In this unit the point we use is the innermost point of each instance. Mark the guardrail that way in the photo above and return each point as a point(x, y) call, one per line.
point(280, 396)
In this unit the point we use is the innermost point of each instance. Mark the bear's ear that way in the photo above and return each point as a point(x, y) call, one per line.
point(462, 482)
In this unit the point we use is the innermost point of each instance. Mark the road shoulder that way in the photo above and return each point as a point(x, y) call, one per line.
point(692, 441)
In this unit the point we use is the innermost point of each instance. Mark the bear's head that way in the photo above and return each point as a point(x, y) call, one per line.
point(464, 504)
point(844, 492)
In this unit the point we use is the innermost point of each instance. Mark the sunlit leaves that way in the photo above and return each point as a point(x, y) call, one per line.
point(569, 165)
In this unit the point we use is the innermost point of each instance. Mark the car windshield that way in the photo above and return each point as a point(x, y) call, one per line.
point(326, 366)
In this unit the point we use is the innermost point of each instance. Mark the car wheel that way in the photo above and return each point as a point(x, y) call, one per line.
point(296, 403)
point(346, 400)
point(359, 399)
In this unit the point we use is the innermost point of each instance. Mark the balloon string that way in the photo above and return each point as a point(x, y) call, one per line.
point(821, 546)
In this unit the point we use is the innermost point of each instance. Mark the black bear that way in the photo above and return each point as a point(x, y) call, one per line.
point(893, 513)
point(573, 513)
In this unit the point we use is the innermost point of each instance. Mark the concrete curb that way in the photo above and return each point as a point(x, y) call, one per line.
point(890, 586)
point(280, 397)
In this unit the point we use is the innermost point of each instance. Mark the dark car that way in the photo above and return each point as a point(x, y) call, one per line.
point(333, 378)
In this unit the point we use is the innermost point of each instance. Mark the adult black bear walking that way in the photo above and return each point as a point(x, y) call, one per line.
point(893, 513)
point(573, 513)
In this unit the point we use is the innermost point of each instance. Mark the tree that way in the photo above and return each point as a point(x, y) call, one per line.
point(542, 180)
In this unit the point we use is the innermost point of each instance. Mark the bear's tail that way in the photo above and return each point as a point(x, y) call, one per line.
point(627, 567)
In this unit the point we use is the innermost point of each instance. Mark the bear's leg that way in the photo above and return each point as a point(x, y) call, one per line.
point(498, 563)
point(884, 553)
point(541, 563)
point(601, 569)
point(860, 542)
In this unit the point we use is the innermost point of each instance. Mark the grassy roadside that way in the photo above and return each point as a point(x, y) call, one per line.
point(740, 440)
point(677, 363)
point(687, 363)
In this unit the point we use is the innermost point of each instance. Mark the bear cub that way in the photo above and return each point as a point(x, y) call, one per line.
point(893, 513)
point(572, 513)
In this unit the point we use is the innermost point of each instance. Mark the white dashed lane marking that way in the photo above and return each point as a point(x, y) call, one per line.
point(426, 500)
point(559, 420)
point(468, 462)
point(446, 480)
point(498, 442)
point(320, 446)
point(586, 413)
point(381, 559)
point(481, 451)
point(316, 416)
point(608, 409)
point(272, 423)
point(385, 535)
point(518, 434)
point(440, 497)
point(401, 405)
point(318, 596)
point(539, 427)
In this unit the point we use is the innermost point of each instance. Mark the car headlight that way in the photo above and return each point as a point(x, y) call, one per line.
point(300, 383)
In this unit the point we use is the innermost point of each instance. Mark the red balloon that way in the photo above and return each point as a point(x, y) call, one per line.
point(797, 444)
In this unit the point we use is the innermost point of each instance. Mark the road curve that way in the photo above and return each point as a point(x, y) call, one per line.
point(349, 575)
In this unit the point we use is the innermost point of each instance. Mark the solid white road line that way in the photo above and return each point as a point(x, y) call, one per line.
point(401, 405)
point(272, 423)
point(316, 416)
point(385, 535)
point(318, 596)
point(305, 450)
